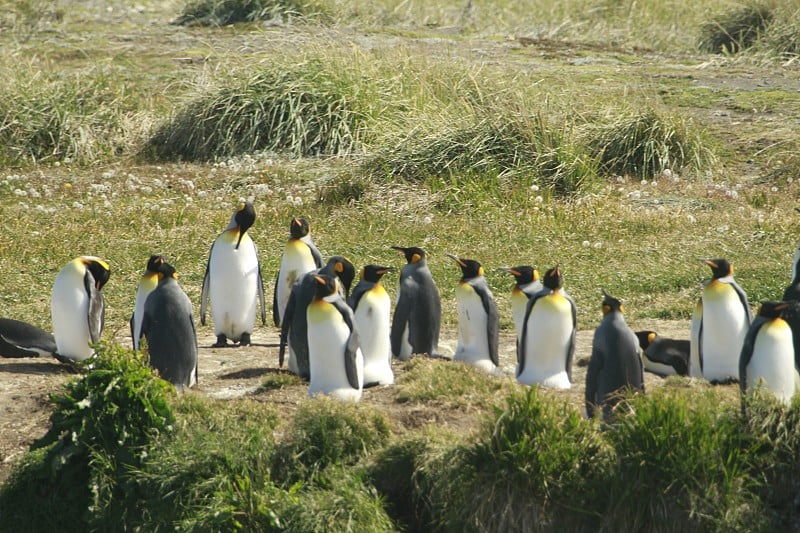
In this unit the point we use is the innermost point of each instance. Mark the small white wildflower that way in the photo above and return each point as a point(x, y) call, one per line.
point(298, 201)
point(789, 180)
point(23, 205)
point(635, 195)
point(427, 219)
point(773, 189)
point(108, 174)
point(77, 205)
point(202, 194)
point(20, 192)
point(539, 199)
point(83, 404)
point(34, 193)
point(666, 173)
point(146, 189)
point(644, 182)
point(598, 245)
point(586, 244)
point(691, 219)
point(534, 187)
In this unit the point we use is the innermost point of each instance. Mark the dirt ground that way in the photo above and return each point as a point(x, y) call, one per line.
point(227, 373)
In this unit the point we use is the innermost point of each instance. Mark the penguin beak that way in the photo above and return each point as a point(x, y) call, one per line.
point(456, 259)
point(239, 240)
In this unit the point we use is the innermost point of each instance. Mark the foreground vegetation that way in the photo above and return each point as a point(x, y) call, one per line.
point(621, 140)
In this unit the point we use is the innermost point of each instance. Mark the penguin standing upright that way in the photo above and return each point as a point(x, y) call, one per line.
point(615, 364)
point(792, 292)
point(371, 309)
point(147, 283)
point(233, 281)
point(662, 356)
point(547, 344)
point(299, 257)
point(726, 317)
point(77, 307)
point(336, 361)
point(478, 321)
point(20, 339)
point(767, 359)
point(527, 286)
point(418, 313)
point(168, 326)
point(294, 326)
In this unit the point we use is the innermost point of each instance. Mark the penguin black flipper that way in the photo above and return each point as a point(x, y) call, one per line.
point(745, 303)
point(276, 311)
point(571, 348)
point(747, 350)
point(402, 312)
point(286, 327)
point(262, 296)
point(20, 339)
point(204, 293)
point(352, 346)
point(315, 253)
point(596, 364)
point(672, 352)
point(492, 318)
point(96, 315)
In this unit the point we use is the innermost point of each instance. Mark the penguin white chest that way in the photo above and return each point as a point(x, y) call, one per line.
point(69, 310)
point(772, 363)
point(724, 326)
point(549, 334)
point(146, 286)
point(328, 334)
point(233, 285)
point(473, 339)
point(519, 302)
point(297, 260)
point(373, 322)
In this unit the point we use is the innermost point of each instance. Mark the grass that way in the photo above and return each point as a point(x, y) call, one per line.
point(736, 29)
point(223, 12)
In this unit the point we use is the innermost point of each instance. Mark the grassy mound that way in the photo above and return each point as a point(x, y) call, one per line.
point(736, 30)
point(224, 12)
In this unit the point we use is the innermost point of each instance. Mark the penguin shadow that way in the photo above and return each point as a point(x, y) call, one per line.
point(213, 345)
point(36, 368)
point(249, 373)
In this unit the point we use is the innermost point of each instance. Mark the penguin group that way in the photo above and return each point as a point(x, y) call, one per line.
point(343, 339)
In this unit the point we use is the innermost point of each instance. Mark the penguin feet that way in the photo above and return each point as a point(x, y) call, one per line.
point(245, 340)
point(222, 341)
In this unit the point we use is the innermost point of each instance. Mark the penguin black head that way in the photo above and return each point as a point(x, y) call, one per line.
point(469, 268)
point(374, 273)
point(154, 262)
point(99, 269)
point(245, 217)
point(298, 228)
point(553, 279)
point(324, 285)
point(611, 304)
point(413, 254)
point(646, 338)
point(719, 267)
point(523, 274)
point(343, 269)
point(773, 309)
point(165, 270)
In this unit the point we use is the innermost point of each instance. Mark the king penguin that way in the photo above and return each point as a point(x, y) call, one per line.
point(615, 364)
point(77, 307)
point(792, 292)
point(725, 319)
point(337, 364)
point(478, 321)
point(547, 345)
point(299, 257)
point(294, 331)
point(147, 283)
point(233, 281)
point(527, 285)
point(20, 339)
point(663, 356)
point(168, 326)
point(768, 357)
point(371, 309)
point(418, 313)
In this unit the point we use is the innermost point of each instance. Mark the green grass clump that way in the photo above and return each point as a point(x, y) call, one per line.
point(99, 429)
point(326, 433)
point(224, 12)
point(536, 463)
point(446, 382)
point(308, 108)
point(737, 29)
point(647, 143)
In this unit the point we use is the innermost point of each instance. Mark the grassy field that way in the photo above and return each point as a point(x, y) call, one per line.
point(621, 140)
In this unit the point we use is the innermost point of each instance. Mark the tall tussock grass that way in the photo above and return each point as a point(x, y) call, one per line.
point(736, 29)
point(224, 12)
point(307, 108)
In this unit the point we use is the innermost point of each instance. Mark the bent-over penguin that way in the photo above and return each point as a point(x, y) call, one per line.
point(299, 257)
point(233, 281)
point(418, 312)
point(371, 307)
point(21, 339)
point(663, 356)
point(147, 284)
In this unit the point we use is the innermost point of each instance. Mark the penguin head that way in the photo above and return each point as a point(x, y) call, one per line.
point(244, 218)
point(773, 309)
point(646, 338)
point(324, 285)
point(719, 267)
point(611, 304)
point(374, 273)
point(523, 274)
point(553, 279)
point(342, 268)
point(99, 269)
point(166, 271)
point(298, 228)
point(470, 268)
point(153, 263)
point(413, 254)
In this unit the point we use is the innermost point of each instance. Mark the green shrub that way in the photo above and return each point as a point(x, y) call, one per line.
point(737, 29)
point(327, 432)
point(224, 12)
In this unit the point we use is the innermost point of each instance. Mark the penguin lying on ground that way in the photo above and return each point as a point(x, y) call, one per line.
point(147, 284)
point(233, 281)
point(299, 257)
point(77, 307)
point(335, 358)
point(662, 356)
point(478, 321)
point(547, 345)
point(20, 339)
point(615, 365)
point(168, 326)
point(371, 307)
point(418, 313)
